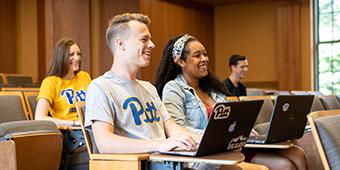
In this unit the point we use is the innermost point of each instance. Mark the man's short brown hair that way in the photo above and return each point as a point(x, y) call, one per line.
point(118, 25)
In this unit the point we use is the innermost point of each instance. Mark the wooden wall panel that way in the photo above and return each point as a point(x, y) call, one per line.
point(169, 19)
point(8, 60)
point(307, 45)
point(86, 21)
point(64, 18)
point(295, 46)
point(72, 19)
point(42, 52)
point(249, 29)
point(283, 55)
point(108, 9)
point(289, 46)
point(27, 42)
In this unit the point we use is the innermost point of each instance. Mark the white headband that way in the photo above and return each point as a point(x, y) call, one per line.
point(179, 45)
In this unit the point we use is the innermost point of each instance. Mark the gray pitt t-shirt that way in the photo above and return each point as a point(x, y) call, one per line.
point(132, 106)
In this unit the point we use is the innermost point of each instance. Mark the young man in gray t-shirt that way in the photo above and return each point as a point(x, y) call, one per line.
point(126, 115)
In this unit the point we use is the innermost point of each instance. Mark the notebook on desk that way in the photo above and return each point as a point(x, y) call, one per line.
point(288, 119)
point(228, 128)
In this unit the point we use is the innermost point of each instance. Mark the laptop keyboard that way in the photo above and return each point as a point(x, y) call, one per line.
point(181, 152)
point(256, 139)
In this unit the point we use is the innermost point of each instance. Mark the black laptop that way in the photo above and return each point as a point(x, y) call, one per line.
point(228, 128)
point(288, 119)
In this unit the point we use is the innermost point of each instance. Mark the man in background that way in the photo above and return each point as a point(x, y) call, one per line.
point(238, 65)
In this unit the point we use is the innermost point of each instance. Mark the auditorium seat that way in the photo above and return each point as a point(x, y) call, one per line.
point(330, 102)
point(20, 80)
point(266, 109)
point(232, 98)
point(12, 107)
point(316, 105)
point(325, 128)
point(31, 102)
point(37, 145)
point(108, 161)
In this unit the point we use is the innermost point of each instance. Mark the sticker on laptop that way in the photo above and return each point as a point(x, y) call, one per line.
point(222, 112)
point(237, 142)
point(285, 107)
point(232, 127)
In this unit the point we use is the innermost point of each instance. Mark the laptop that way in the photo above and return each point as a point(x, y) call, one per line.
point(228, 128)
point(288, 119)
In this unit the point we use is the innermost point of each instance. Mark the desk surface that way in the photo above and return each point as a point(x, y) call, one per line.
point(278, 145)
point(225, 158)
point(69, 127)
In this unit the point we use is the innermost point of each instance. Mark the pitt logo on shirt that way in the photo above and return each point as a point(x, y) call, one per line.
point(138, 110)
point(69, 94)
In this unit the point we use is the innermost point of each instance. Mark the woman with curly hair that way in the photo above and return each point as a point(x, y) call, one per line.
point(189, 91)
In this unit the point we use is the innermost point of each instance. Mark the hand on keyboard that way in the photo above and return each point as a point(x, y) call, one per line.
point(253, 132)
point(179, 141)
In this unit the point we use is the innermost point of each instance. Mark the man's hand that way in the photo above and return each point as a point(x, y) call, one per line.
point(179, 141)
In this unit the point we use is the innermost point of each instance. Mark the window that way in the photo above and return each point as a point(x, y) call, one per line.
point(327, 41)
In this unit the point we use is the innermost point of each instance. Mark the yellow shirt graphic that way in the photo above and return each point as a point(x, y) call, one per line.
point(63, 94)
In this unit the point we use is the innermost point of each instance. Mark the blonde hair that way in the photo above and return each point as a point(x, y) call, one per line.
point(119, 24)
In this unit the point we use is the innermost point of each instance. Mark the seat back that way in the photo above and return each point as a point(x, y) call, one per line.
point(315, 93)
point(325, 127)
point(107, 161)
point(316, 105)
point(20, 80)
point(31, 102)
point(255, 92)
point(232, 98)
point(20, 89)
point(38, 144)
point(80, 106)
point(266, 109)
point(296, 92)
point(330, 102)
point(2, 80)
point(12, 107)
point(276, 92)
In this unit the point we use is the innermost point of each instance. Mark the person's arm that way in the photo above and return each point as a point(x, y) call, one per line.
point(173, 129)
point(41, 113)
point(173, 101)
point(108, 142)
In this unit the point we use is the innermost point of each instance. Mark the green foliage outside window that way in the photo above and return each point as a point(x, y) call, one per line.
point(328, 45)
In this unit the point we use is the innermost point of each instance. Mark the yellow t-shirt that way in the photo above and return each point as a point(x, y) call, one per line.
point(63, 94)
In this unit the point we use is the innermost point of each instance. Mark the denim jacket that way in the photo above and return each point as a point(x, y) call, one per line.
point(185, 107)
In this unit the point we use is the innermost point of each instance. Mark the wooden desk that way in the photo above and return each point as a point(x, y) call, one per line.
point(69, 127)
point(278, 145)
point(117, 161)
point(225, 158)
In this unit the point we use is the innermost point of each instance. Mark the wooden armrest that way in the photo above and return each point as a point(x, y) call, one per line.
point(121, 157)
point(64, 127)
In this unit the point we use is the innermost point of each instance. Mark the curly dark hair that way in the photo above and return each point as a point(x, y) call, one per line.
point(168, 70)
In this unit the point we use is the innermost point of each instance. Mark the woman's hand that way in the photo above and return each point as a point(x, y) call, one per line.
point(253, 132)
